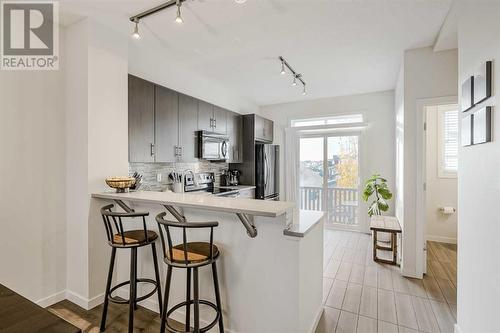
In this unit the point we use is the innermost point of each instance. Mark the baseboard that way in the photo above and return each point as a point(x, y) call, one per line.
point(441, 239)
point(84, 302)
point(457, 329)
point(52, 299)
point(317, 318)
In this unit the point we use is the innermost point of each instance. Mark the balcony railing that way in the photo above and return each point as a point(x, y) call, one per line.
point(341, 203)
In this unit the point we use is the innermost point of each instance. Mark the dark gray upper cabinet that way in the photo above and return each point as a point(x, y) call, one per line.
point(188, 125)
point(141, 120)
point(235, 133)
point(264, 129)
point(166, 124)
point(220, 120)
point(205, 116)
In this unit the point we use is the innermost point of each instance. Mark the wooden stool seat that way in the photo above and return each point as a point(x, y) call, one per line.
point(388, 224)
point(136, 237)
point(196, 252)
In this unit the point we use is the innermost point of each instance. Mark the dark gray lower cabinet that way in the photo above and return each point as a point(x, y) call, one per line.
point(141, 120)
point(188, 125)
point(166, 124)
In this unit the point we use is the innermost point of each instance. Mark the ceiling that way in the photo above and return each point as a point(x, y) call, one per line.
point(341, 47)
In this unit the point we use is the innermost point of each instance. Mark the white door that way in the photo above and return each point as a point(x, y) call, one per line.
point(329, 178)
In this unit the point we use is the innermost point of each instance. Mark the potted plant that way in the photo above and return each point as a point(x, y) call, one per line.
point(377, 186)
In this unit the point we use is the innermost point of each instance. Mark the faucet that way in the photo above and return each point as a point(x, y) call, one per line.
point(192, 174)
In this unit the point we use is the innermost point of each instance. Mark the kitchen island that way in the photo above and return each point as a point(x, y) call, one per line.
point(271, 258)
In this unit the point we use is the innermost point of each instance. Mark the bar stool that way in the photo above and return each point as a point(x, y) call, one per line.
point(131, 239)
point(189, 256)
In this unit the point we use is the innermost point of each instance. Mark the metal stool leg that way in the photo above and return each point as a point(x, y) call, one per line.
point(165, 300)
point(196, 301)
point(188, 299)
point(157, 275)
point(217, 296)
point(108, 287)
point(135, 302)
point(133, 286)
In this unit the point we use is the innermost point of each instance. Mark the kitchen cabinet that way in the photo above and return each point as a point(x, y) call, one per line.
point(141, 120)
point(220, 120)
point(188, 125)
point(264, 129)
point(166, 124)
point(235, 134)
point(211, 118)
point(205, 116)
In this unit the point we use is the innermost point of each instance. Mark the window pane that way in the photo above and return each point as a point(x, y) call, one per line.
point(334, 120)
point(450, 141)
point(311, 173)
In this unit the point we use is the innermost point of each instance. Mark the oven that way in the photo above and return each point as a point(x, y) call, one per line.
point(212, 146)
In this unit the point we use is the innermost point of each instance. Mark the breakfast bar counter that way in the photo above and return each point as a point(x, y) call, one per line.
point(270, 282)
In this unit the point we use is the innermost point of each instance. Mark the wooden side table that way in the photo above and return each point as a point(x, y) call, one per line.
point(388, 224)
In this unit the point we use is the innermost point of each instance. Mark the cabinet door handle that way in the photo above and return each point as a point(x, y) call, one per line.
point(152, 149)
point(180, 151)
point(176, 151)
point(215, 123)
point(211, 122)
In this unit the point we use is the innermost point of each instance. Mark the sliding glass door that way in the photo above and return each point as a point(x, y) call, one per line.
point(329, 177)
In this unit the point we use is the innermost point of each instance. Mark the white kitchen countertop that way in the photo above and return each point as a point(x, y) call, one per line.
point(306, 221)
point(209, 202)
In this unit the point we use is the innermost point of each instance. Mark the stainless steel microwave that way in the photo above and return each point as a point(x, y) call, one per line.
point(212, 146)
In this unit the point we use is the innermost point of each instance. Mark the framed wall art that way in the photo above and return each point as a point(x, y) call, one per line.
point(482, 82)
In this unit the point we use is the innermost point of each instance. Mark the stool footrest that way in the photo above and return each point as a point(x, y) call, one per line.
point(202, 329)
point(117, 300)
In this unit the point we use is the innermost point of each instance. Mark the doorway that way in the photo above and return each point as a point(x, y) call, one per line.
point(329, 178)
point(440, 196)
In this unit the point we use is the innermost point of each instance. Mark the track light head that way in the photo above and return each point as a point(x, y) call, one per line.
point(283, 72)
point(294, 83)
point(178, 18)
point(135, 33)
point(304, 91)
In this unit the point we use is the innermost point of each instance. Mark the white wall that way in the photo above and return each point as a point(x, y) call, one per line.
point(440, 192)
point(426, 75)
point(479, 182)
point(377, 151)
point(97, 148)
point(32, 165)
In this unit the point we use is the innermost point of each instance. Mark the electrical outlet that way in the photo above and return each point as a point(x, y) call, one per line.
point(158, 177)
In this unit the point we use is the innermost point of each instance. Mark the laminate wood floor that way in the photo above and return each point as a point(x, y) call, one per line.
point(360, 295)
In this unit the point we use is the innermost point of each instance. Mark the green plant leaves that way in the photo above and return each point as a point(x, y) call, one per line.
point(376, 185)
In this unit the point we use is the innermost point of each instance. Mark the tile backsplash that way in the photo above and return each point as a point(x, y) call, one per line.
point(150, 170)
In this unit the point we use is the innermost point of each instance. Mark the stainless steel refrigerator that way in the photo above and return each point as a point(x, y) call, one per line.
point(267, 173)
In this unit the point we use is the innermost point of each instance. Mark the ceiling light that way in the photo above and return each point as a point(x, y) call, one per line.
point(178, 18)
point(286, 68)
point(240, 1)
point(135, 33)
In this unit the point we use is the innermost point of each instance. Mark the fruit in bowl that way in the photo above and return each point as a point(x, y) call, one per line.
point(121, 184)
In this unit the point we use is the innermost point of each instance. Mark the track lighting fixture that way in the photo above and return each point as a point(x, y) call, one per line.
point(296, 76)
point(178, 18)
point(169, 3)
point(283, 72)
point(135, 33)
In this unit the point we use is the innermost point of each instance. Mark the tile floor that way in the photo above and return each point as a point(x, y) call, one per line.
point(361, 296)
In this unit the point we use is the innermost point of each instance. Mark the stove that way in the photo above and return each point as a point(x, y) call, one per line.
point(204, 182)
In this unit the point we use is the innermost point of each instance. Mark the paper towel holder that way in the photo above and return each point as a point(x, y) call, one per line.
point(447, 210)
